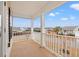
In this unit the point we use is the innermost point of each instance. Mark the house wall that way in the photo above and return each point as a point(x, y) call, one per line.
point(77, 34)
point(76, 31)
point(67, 31)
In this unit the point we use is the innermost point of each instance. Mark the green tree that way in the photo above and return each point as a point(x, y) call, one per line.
point(57, 29)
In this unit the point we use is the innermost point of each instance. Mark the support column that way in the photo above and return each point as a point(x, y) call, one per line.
point(32, 37)
point(12, 26)
point(2, 29)
point(42, 29)
point(5, 28)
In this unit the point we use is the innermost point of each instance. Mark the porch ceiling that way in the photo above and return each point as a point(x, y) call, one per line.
point(31, 9)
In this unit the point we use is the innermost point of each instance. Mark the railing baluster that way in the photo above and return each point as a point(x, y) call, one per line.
point(76, 47)
point(53, 41)
point(57, 43)
point(70, 47)
point(59, 40)
point(67, 51)
point(50, 41)
point(62, 46)
point(65, 46)
point(47, 40)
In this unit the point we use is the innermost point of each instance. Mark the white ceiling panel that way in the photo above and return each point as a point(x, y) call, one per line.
point(30, 9)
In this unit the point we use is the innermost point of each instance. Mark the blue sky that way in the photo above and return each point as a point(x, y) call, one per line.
point(65, 15)
point(21, 22)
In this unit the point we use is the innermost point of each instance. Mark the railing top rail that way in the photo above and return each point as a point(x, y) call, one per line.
point(62, 36)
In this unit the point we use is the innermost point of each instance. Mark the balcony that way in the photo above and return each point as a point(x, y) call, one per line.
point(28, 48)
point(53, 45)
point(36, 44)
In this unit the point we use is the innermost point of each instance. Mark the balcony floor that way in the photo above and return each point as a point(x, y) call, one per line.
point(28, 48)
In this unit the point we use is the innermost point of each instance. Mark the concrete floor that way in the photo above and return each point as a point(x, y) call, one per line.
point(28, 48)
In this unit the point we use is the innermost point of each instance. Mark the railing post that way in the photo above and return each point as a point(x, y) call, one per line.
point(32, 37)
point(42, 30)
point(75, 46)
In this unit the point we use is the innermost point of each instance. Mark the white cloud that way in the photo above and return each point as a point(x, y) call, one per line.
point(64, 19)
point(54, 14)
point(57, 13)
point(75, 6)
point(72, 17)
point(68, 18)
point(51, 14)
point(62, 10)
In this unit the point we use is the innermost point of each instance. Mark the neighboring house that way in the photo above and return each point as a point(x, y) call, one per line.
point(37, 29)
point(27, 28)
point(16, 29)
point(48, 29)
point(69, 29)
point(23, 28)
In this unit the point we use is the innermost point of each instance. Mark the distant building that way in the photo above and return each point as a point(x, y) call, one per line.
point(16, 29)
point(76, 31)
point(37, 29)
point(49, 30)
point(70, 30)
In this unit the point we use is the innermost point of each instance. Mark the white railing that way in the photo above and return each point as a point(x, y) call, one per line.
point(60, 45)
point(37, 37)
point(63, 45)
point(22, 36)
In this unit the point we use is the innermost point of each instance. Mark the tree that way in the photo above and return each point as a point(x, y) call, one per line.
point(57, 29)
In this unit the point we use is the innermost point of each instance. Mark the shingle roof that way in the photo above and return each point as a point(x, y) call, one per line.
point(69, 28)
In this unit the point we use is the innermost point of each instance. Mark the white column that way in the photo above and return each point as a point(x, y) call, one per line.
point(12, 26)
point(42, 29)
point(1, 32)
point(5, 29)
point(32, 37)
